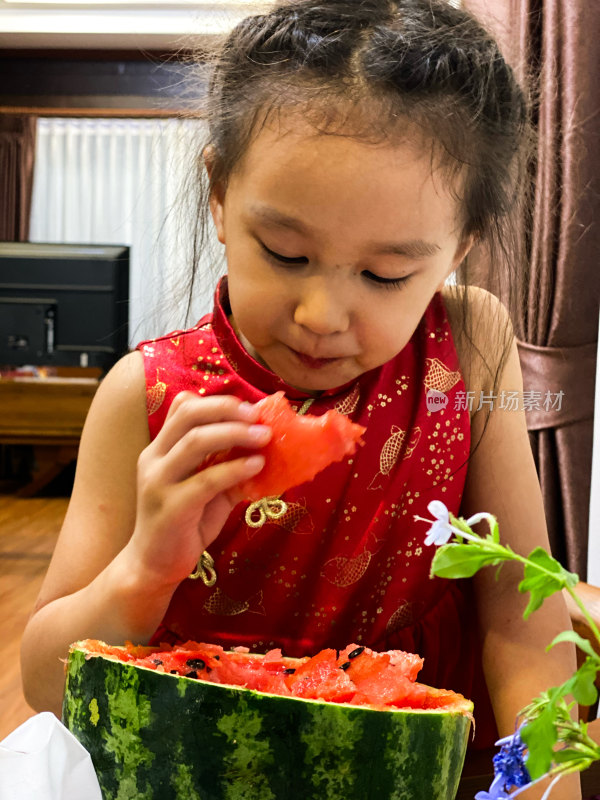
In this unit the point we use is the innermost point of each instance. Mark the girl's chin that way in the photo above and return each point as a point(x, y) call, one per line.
point(313, 381)
point(306, 374)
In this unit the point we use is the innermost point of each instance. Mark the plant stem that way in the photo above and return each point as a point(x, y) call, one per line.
point(507, 554)
point(585, 613)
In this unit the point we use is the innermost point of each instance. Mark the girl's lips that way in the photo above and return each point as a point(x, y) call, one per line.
point(313, 363)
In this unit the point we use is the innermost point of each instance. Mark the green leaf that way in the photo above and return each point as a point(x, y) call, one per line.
point(539, 589)
point(583, 644)
point(584, 688)
point(494, 534)
point(540, 736)
point(542, 559)
point(543, 577)
point(460, 560)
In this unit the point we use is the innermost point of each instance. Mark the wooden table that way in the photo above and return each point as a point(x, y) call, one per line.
point(47, 413)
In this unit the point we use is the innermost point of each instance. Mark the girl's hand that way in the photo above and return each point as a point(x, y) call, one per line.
point(181, 509)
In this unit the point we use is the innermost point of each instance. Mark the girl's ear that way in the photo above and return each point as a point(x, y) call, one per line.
point(462, 251)
point(217, 192)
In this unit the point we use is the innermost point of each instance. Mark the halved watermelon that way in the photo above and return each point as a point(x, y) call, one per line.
point(196, 722)
point(300, 447)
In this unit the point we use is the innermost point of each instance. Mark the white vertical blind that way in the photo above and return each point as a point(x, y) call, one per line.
point(119, 181)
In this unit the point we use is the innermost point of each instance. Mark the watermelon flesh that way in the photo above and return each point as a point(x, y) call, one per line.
point(299, 448)
point(356, 675)
point(195, 722)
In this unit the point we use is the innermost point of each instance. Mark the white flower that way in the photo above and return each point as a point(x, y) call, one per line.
point(441, 531)
point(479, 517)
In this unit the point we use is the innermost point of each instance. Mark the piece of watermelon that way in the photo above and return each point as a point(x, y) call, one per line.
point(300, 447)
point(155, 730)
point(320, 678)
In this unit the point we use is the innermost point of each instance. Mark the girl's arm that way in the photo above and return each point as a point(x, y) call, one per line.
point(502, 480)
point(139, 517)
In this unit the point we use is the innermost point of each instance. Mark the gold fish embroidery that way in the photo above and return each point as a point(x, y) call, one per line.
point(175, 341)
point(390, 452)
point(346, 405)
point(296, 519)
point(342, 571)
point(155, 395)
point(402, 617)
point(439, 377)
point(224, 606)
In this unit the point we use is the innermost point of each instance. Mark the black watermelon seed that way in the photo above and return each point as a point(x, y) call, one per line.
point(174, 672)
point(217, 658)
point(209, 669)
point(345, 666)
point(289, 671)
point(192, 674)
point(157, 661)
point(195, 663)
point(356, 652)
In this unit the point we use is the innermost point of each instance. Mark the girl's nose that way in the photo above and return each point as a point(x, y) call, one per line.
point(322, 309)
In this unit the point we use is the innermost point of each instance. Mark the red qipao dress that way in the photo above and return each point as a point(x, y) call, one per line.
point(347, 561)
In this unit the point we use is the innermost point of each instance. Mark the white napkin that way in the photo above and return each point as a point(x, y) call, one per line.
point(42, 760)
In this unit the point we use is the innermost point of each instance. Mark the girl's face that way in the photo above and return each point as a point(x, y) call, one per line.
point(334, 249)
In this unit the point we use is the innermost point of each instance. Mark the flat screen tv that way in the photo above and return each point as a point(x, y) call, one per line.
point(63, 304)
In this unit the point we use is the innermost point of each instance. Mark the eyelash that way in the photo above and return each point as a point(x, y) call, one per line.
point(284, 259)
point(383, 283)
point(387, 283)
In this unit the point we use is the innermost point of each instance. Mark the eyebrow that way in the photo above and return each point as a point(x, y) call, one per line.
point(414, 248)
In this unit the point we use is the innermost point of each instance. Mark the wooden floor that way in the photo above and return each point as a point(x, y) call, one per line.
point(28, 531)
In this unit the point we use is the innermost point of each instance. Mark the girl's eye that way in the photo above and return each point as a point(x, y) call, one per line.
point(284, 259)
point(387, 283)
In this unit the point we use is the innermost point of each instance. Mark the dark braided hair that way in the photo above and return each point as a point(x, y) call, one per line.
point(376, 69)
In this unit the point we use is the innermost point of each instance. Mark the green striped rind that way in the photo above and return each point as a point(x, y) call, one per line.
point(155, 735)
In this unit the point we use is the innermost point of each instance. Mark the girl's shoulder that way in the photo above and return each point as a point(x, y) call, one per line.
point(120, 402)
point(482, 332)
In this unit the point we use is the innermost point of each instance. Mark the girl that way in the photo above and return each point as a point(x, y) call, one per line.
point(357, 151)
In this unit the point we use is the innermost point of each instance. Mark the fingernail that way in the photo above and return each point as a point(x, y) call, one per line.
point(260, 432)
point(248, 411)
point(255, 463)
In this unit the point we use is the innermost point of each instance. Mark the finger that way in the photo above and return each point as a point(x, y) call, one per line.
point(188, 411)
point(198, 444)
point(203, 487)
point(214, 517)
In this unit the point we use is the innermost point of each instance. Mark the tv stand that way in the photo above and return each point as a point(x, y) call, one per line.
point(47, 413)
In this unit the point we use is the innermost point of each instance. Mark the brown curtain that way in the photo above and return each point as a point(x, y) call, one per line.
point(558, 328)
point(17, 149)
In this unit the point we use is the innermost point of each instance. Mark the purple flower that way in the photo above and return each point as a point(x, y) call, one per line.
point(495, 792)
point(510, 761)
point(509, 769)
